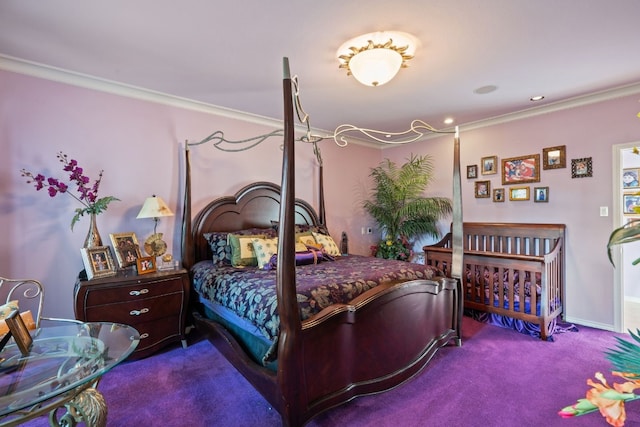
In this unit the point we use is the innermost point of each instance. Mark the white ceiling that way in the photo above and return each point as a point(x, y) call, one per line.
point(229, 53)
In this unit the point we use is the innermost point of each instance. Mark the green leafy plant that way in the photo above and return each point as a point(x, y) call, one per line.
point(87, 194)
point(399, 208)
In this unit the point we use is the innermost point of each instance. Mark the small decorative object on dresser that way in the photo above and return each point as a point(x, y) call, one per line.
point(155, 304)
point(126, 247)
point(146, 264)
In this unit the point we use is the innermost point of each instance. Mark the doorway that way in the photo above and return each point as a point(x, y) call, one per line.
point(626, 276)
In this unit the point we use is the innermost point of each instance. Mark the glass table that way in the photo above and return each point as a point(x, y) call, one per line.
point(61, 372)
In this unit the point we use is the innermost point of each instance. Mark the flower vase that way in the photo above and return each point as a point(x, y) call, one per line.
point(93, 236)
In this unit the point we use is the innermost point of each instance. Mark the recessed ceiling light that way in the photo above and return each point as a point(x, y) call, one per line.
point(485, 89)
point(448, 120)
point(536, 98)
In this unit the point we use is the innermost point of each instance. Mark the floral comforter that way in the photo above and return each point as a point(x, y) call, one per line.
point(251, 293)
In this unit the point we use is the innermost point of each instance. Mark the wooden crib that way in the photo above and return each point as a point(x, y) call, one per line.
point(510, 269)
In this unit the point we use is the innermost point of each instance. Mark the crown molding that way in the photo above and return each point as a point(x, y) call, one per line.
point(73, 78)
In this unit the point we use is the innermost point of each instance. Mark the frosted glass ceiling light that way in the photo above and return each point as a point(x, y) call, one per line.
point(375, 58)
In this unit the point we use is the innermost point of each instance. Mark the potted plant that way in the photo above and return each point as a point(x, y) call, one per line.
point(399, 208)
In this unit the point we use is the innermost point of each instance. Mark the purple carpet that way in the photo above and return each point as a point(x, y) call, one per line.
point(497, 378)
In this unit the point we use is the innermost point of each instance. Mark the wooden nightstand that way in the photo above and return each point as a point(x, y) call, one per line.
point(155, 304)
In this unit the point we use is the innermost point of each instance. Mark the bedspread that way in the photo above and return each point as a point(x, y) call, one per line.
point(251, 293)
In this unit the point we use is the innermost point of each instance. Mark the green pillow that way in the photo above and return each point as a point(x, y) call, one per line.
point(242, 253)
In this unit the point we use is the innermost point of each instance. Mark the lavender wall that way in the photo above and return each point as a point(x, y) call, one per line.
point(587, 131)
point(139, 145)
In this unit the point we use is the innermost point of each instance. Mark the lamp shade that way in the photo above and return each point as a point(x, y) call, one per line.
point(375, 67)
point(154, 207)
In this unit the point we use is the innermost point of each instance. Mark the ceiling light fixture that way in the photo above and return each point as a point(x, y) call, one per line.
point(536, 98)
point(375, 58)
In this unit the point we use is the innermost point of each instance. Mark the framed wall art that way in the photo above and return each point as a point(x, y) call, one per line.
point(581, 168)
point(630, 178)
point(519, 193)
point(126, 247)
point(521, 170)
point(98, 262)
point(498, 194)
point(489, 165)
point(629, 202)
point(146, 264)
point(482, 189)
point(540, 194)
point(554, 157)
point(472, 171)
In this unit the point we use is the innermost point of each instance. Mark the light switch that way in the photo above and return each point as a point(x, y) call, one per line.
point(604, 211)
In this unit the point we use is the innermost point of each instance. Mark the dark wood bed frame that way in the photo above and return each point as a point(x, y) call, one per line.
point(379, 340)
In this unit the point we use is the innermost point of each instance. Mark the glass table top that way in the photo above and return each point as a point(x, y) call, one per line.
point(62, 358)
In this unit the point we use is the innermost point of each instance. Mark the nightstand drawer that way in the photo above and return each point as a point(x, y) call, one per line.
point(134, 312)
point(156, 333)
point(101, 295)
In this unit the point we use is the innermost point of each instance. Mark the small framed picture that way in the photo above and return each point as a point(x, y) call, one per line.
point(98, 262)
point(520, 170)
point(146, 264)
point(519, 193)
point(630, 178)
point(489, 165)
point(498, 194)
point(126, 247)
point(541, 194)
point(581, 168)
point(472, 171)
point(629, 202)
point(554, 157)
point(19, 332)
point(482, 189)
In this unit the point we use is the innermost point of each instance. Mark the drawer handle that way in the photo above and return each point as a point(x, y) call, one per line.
point(143, 336)
point(140, 292)
point(138, 312)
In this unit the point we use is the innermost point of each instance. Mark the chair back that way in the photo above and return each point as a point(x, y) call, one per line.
point(28, 292)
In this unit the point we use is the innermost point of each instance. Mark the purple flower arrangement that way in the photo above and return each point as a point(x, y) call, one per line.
point(87, 193)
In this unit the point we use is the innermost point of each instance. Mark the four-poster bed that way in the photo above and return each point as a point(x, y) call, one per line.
point(315, 356)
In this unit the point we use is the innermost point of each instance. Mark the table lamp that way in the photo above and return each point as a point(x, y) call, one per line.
point(154, 207)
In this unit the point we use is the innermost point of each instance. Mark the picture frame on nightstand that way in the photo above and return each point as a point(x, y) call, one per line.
point(98, 262)
point(126, 248)
point(146, 264)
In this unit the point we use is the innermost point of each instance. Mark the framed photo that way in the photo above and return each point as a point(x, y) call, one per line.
point(126, 247)
point(482, 189)
point(629, 202)
point(98, 262)
point(554, 157)
point(146, 264)
point(498, 194)
point(581, 168)
point(519, 193)
point(521, 170)
point(489, 165)
point(540, 194)
point(630, 178)
point(19, 332)
point(472, 171)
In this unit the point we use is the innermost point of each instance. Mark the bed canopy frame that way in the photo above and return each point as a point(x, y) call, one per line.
point(284, 392)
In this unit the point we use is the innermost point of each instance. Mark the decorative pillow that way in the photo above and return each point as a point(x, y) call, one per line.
point(327, 243)
point(306, 239)
point(264, 250)
point(242, 251)
point(304, 228)
point(221, 250)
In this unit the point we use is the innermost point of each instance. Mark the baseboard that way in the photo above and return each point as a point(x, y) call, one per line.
point(590, 324)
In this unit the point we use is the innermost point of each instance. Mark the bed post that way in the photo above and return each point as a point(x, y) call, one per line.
point(457, 233)
point(290, 372)
point(187, 236)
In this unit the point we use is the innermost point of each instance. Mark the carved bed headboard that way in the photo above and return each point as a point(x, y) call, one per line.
point(256, 205)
